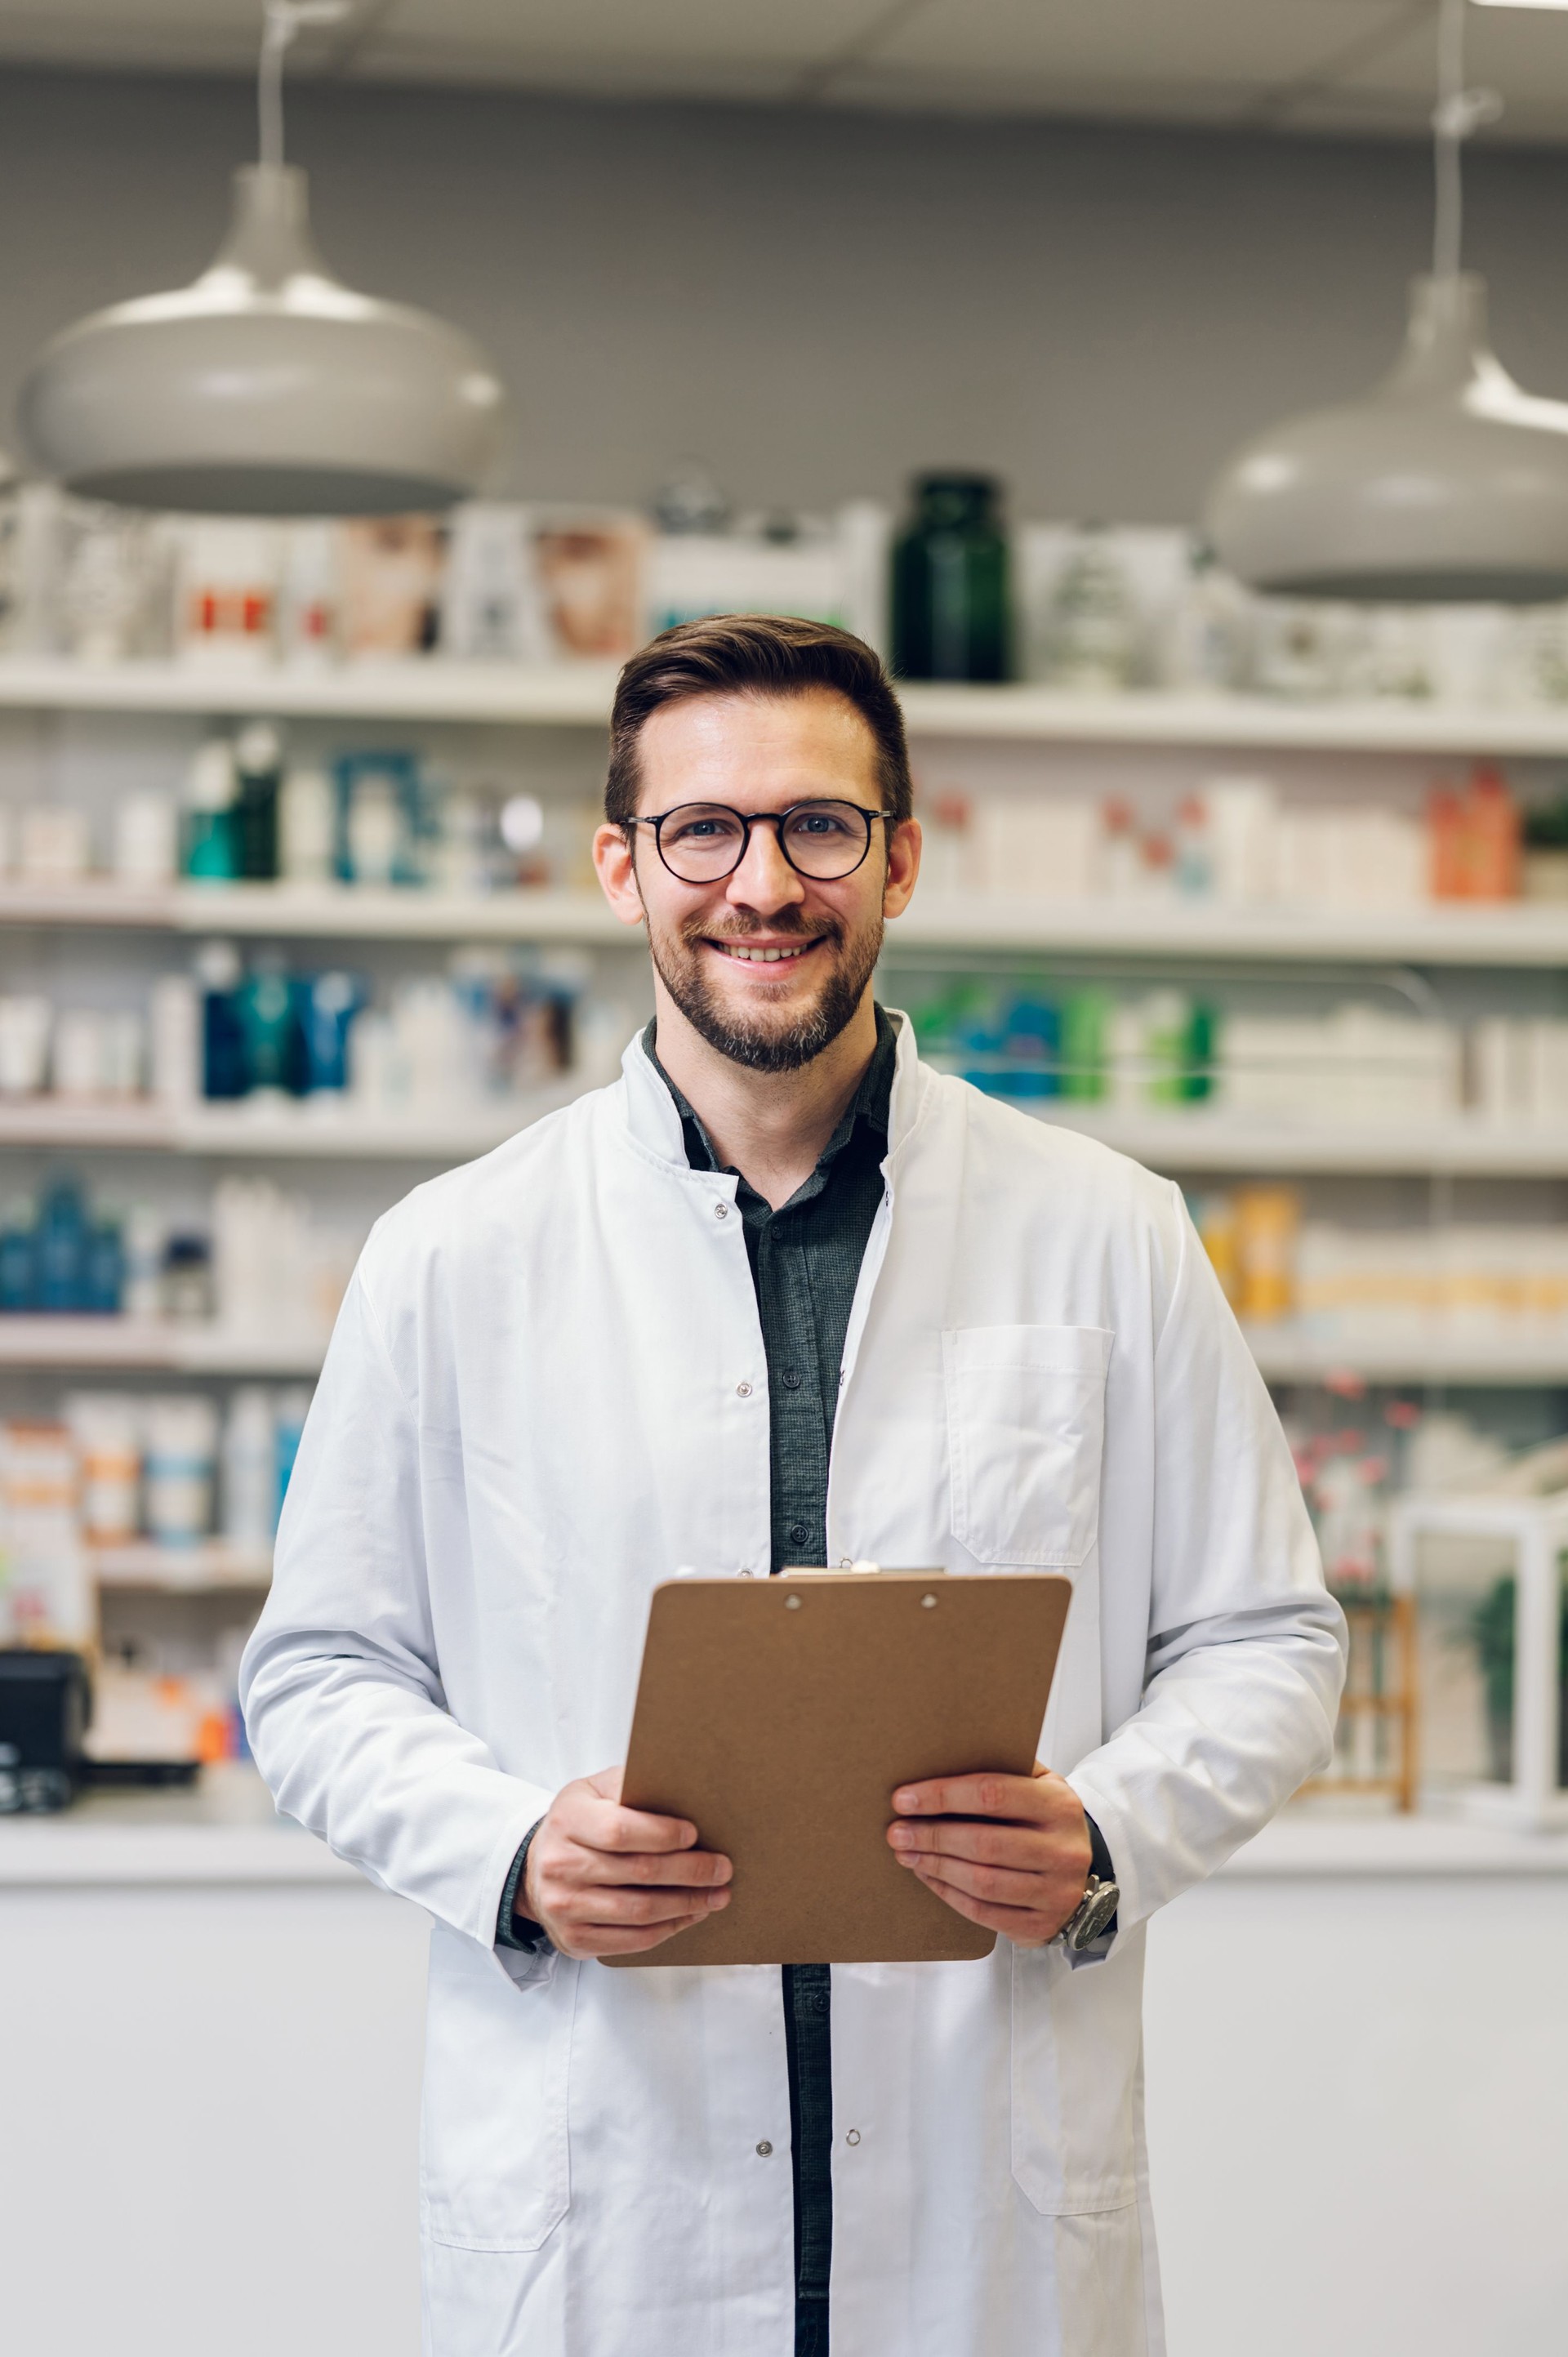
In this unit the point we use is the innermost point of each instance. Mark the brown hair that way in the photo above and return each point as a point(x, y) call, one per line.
point(754, 655)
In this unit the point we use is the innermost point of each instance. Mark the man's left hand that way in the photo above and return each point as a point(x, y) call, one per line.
point(1010, 1852)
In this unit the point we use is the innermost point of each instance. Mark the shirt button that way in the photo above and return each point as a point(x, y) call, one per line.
point(791, 1379)
point(854, 2137)
point(721, 1210)
point(797, 1533)
point(764, 2149)
point(743, 1390)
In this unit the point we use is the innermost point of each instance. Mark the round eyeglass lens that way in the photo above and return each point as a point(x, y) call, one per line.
point(702, 841)
point(826, 839)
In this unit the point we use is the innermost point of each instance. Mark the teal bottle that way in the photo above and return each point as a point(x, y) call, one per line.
point(952, 594)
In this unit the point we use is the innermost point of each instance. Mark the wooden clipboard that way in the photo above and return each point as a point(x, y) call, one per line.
point(779, 1716)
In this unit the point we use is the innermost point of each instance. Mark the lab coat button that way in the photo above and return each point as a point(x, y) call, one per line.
point(721, 1210)
point(854, 2137)
point(743, 1390)
point(765, 2148)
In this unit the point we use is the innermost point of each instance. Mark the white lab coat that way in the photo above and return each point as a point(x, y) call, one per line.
point(546, 1391)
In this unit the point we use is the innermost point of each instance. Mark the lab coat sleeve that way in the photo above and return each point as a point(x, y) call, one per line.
point(340, 1684)
point(1246, 1649)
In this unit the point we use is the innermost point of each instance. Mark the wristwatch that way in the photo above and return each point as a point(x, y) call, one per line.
point(1093, 1912)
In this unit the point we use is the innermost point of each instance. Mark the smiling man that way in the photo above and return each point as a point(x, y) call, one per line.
point(781, 1294)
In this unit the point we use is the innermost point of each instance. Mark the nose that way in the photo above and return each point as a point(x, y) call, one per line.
point(765, 881)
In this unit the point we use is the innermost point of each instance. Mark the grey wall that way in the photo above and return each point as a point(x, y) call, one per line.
point(818, 303)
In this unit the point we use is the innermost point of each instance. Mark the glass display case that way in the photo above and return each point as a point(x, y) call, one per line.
point(1486, 1574)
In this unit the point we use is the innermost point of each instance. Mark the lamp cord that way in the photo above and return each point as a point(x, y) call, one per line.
point(1458, 115)
point(281, 22)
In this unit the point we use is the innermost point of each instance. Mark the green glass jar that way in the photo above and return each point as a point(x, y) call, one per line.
point(952, 598)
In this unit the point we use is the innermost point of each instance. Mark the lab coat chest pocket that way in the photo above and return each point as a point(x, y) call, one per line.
point(1025, 1410)
point(1077, 2043)
point(493, 2133)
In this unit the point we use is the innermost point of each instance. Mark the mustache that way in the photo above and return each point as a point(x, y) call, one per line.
point(786, 923)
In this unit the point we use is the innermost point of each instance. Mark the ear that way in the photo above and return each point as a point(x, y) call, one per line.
point(903, 866)
point(616, 869)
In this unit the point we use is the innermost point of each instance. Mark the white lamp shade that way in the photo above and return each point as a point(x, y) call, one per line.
point(1448, 482)
point(266, 388)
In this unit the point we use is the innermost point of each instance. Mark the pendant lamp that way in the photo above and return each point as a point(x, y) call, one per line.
point(267, 388)
point(1447, 482)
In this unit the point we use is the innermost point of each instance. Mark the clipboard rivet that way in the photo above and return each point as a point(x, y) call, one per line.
point(791, 1604)
point(929, 1602)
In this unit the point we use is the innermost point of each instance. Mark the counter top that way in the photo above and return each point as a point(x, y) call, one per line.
point(224, 1830)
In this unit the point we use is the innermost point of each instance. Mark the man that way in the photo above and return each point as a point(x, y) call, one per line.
point(781, 1295)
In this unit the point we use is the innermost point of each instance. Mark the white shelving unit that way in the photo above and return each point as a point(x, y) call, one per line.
point(1287, 1354)
point(1284, 1352)
point(332, 1129)
point(323, 1129)
point(579, 697)
point(1201, 1140)
point(195, 1570)
point(110, 1344)
point(1519, 937)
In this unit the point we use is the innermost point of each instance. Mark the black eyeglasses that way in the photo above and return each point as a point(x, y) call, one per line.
point(701, 842)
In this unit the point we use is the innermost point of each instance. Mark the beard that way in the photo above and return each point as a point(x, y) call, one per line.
point(762, 1040)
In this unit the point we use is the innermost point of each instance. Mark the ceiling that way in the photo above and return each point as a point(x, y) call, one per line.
point(1357, 65)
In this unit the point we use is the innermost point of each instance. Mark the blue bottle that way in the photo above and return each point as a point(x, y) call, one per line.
point(18, 1257)
point(329, 1004)
point(270, 1014)
point(1032, 1045)
point(225, 1070)
point(62, 1251)
point(105, 1285)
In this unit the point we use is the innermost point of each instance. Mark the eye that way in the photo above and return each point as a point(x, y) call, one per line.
point(699, 826)
point(822, 819)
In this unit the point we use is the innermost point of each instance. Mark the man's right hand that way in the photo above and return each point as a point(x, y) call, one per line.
point(606, 1881)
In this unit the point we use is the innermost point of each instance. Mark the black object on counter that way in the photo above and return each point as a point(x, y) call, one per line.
point(952, 600)
point(45, 1707)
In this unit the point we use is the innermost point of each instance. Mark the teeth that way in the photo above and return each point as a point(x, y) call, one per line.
point(761, 957)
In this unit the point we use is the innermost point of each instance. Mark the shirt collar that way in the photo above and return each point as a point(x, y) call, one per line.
point(870, 1103)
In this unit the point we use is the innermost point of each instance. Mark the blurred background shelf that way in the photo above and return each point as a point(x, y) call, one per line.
point(578, 696)
point(126, 1343)
point(574, 696)
point(330, 1131)
point(214, 1565)
point(1513, 933)
point(1201, 1140)
point(1509, 933)
point(1283, 1353)
point(1286, 1355)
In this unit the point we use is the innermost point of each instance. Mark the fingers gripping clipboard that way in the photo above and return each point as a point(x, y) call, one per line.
point(779, 1716)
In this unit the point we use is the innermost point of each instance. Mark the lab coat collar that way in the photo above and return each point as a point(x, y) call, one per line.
point(654, 1123)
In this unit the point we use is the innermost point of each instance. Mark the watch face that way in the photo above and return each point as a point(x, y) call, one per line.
point(1096, 1913)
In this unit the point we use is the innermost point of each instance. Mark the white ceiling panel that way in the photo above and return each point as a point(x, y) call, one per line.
point(1521, 53)
point(1232, 44)
point(188, 36)
point(778, 32)
point(1342, 65)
